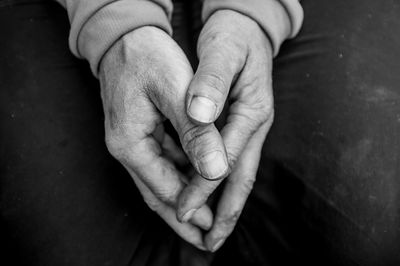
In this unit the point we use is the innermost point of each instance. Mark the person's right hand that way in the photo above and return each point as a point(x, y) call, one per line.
point(144, 79)
point(235, 71)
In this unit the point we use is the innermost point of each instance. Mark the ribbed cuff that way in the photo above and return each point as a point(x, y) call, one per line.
point(279, 19)
point(111, 22)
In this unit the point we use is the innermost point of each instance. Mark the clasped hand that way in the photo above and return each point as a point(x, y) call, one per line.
point(145, 79)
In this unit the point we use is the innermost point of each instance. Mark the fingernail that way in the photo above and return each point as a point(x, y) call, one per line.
point(213, 165)
point(186, 217)
point(217, 245)
point(202, 109)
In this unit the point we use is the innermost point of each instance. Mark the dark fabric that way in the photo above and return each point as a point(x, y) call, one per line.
point(331, 164)
point(327, 191)
point(64, 200)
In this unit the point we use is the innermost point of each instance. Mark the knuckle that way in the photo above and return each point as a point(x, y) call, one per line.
point(229, 220)
point(189, 137)
point(216, 82)
point(212, 39)
point(217, 38)
point(259, 112)
point(255, 98)
point(267, 110)
point(244, 186)
point(193, 138)
point(234, 217)
point(119, 146)
point(170, 195)
point(247, 185)
point(263, 109)
point(114, 146)
point(233, 154)
point(153, 204)
point(250, 121)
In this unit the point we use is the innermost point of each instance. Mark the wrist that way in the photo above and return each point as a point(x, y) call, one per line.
point(235, 31)
point(279, 20)
point(95, 30)
point(132, 46)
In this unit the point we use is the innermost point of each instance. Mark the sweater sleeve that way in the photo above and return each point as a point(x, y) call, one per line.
point(280, 19)
point(97, 24)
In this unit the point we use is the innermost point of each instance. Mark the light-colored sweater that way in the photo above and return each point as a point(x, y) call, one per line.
point(97, 24)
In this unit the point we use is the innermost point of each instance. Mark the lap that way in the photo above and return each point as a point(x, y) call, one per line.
point(331, 161)
point(327, 185)
point(64, 199)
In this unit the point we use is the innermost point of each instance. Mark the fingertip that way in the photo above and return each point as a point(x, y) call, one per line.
point(201, 246)
point(215, 238)
point(194, 196)
point(203, 217)
point(183, 213)
point(185, 205)
point(214, 244)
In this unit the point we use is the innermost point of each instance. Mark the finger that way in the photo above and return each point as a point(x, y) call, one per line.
point(169, 148)
point(212, 81)
point(143, 157)
point(173, 151)
point(198, 190)
point(253, 109)
point(187, 231)
point(236, 191)
point(168, 187)
point(202, 144)
point(134, 145)
point(194, 196)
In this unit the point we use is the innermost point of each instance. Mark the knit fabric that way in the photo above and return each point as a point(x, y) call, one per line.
point(97, 24)
point(279, 19)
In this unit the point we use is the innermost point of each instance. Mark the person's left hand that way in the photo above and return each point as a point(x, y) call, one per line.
point(236, 64)
point(144, 78)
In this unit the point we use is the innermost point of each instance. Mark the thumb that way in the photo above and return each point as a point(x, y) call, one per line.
point(219, 64)
point(203, 144)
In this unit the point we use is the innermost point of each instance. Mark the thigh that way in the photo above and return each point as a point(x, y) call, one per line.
point(64, 200)
point(328, 188)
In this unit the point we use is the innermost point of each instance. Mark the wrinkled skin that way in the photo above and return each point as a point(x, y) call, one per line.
point(235, 63)
point(145, 78)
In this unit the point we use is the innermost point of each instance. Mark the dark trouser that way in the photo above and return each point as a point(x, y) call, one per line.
point(328, 189)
